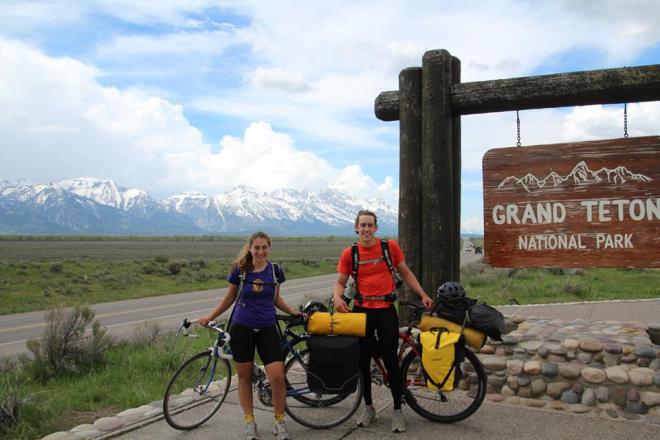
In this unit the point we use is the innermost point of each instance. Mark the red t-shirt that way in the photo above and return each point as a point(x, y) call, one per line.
point(374, 279)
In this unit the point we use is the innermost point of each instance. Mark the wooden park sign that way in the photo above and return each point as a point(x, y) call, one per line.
point(587, 204)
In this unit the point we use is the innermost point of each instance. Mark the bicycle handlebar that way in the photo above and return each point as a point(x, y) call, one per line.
point(184, 328)
point(291, 320)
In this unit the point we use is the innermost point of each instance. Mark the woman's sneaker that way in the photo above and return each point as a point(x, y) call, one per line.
point(279, 429)
point(367, 417)
point(398, 422)
point(251, 431)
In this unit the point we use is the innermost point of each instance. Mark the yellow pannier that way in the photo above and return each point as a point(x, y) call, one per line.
point(473, 338)
point(349, 324)
point(441, 357)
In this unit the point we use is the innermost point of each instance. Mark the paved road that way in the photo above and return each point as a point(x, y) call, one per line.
point(122, 317)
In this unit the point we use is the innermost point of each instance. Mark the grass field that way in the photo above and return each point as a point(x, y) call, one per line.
point(42, 272)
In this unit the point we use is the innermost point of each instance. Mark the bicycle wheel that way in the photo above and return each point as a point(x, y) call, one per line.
point(318, 411)
point(196, 391)
point(444, 406)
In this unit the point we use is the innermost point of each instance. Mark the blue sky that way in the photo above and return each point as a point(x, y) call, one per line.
point(172, 96)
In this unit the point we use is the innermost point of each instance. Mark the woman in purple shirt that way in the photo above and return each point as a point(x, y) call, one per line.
point(253, 325)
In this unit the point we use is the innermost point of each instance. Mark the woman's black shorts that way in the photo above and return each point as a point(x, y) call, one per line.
point(245, 339)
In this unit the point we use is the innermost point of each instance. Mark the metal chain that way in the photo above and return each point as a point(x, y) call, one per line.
point(518, 128)
point(625, 120)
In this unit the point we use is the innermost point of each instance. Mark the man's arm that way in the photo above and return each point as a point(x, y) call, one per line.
point(338, 291)
point(411, 281)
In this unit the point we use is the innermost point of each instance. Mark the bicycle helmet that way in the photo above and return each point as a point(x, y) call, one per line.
point(314, 306)
point(450, 290)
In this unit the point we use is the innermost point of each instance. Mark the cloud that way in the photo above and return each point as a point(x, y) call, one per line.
point(63, 123)
point(279, 79)
point(606, 122)
point(266, 160)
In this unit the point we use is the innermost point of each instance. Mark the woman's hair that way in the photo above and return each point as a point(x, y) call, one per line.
point(244, 259)
point(365, 212)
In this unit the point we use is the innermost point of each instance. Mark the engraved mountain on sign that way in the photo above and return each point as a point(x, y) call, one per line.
point(581, 175)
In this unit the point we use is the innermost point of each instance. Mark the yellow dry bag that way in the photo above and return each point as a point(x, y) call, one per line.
point(442, 354)
point(348, 324)
point(473, 338)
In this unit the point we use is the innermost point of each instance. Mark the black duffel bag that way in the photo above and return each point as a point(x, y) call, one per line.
point(453, 305)
point(333, 366)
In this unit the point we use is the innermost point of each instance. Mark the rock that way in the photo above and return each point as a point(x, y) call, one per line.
point(635, 408)
point(532, 367)
point(611, 360)
point(647, 351)
point(618, 395)
point(531, 345)
point(613, 348)
point(525, 391)
point(584, 358)
point(656, 379)
point(107, 424)
point(549, 369)
point(603, 394)
point(560, 351)
point(87, 435)
point(556, 389)
point(555, 358)
point(500, 351)
point(543, 351)
point(495, 397)
point(570, 370)
point(591, 346)
point(523, 380)
point(626, 349)
point(131, 416)
point(630, 416)
point(641, 376)
point(580, 409)
point(514, 367)
point(655, 364)
point(487, 349)
point(569, 397)
point(84, 427)
point(153, 413)
point(643, 362)
point(512, 382)
point(496, 381)
point(617, 375)
point(555, 404)
point(593, 375)
point(632, 395)
point(578, 388)
point(628, 358)
point(493, 362)
point(650, 398)
point(506, 391)
point(612, 413)
point(510, 339)
point(538, 387)
point(571, 344)
point(534, 403)
point(589, 397)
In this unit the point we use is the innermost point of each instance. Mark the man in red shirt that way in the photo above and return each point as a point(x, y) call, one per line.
point(376, 287)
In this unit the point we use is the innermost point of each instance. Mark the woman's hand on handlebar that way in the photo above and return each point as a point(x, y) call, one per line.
point(204, 322)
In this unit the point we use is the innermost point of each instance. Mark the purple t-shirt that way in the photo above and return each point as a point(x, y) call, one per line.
point(255, 307)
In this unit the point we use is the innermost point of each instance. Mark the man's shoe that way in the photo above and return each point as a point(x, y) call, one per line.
point(251, 431)
point(367, 417)
point(398, 422)
point(279, 429)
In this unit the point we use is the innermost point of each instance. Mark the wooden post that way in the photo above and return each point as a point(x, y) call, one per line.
point(410, 175)
point(437, 265)
point(456, 168)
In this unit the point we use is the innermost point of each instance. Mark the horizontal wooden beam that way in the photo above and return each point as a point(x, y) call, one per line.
point(607, 86)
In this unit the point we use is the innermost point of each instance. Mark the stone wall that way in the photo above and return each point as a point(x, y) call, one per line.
point(606, 367)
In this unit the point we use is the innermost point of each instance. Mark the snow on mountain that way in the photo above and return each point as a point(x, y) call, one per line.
point(91, 205)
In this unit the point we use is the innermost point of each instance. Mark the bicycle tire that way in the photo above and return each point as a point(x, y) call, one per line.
point(317, 411)
point(196, 391)
point(444, 406)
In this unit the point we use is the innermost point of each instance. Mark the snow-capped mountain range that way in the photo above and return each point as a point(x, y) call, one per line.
point(580, 175)
point(96, 206)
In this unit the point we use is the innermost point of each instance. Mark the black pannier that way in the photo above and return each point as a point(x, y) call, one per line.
point(333, 364)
